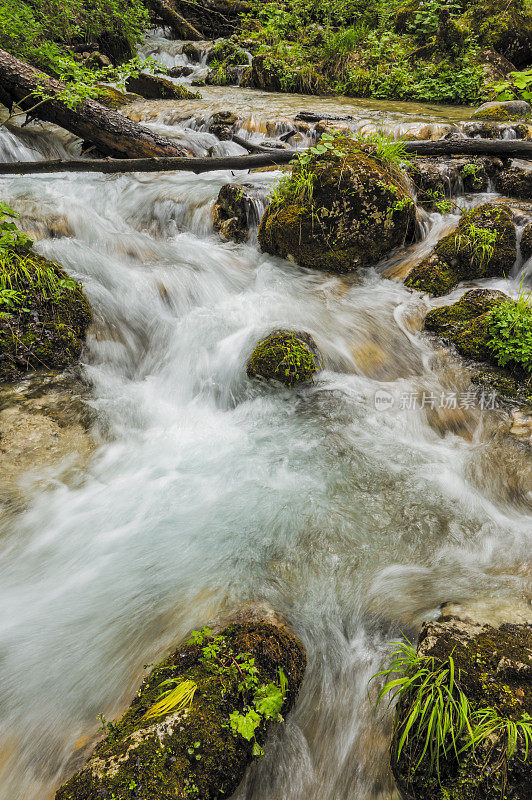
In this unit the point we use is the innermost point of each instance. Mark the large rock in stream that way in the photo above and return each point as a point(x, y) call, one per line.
point(289, 357)
point(493, 669)
point(467, 325)
point(344, 209)
point(483, 246)
point(244, 675)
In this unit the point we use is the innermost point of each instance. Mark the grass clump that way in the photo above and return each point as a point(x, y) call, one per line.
point(436, 721)
point(510, 328)
point(478, 243)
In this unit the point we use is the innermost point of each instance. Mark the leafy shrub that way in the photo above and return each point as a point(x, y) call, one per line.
point(510, 327)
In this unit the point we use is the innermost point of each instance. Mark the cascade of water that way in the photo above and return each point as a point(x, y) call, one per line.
point(354, 519)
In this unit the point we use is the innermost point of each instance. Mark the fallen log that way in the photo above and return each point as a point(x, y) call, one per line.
point(111, 132)
point(503, 148)
point(113, 165)
point(475, 147)
point(175, 21)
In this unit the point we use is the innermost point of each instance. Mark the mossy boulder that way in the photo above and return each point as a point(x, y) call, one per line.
point(468, 253)
point(436, 179)
point(515, 182)
point(48, 327)
point(155, 87)
point(194, 753)
point(227, 53)
point(114, 98)
point(504, 25)
point(526, 242)
point(466, 325)
point(502, 110)
point(494, 669)
point(451, 36)
point(290, 357)
point(359, 210)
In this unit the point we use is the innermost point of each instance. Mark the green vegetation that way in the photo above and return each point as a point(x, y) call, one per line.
point(479, 244)
point(43, 313)
point(510, 328)
point(363, 50)
point(437, 719)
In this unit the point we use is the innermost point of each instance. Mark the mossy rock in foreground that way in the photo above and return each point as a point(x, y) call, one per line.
point(460, 256)
point(465, 324)
point(49, 328)
point(360, 210)
point(290, 357)
point(494, 669)
point(193, 753)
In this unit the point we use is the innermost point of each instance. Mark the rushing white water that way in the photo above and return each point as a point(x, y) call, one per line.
point(208, 491)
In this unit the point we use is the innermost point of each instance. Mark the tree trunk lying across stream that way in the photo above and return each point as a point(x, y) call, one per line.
point(475, 147)
point(113, 133)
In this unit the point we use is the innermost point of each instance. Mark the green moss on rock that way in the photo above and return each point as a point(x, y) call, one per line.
point(49, 328)
point(290, 357)
point(494, 670)
point(459, 256)
point(192, 753)
point(515, 182)
point(155, 87)
point(359, 211)
point(465, 325)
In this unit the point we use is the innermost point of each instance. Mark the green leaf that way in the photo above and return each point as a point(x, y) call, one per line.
point(245, 725)
point(269, 700)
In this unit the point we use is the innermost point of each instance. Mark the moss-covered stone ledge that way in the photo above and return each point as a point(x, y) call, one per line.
point(466, 325)
point(45, 323)
point(289, 357)
point(194, 752)
point(483, 245)
point(344, 209)
point(493, 669)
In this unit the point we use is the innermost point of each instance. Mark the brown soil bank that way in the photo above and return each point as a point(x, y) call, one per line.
point(201, 750)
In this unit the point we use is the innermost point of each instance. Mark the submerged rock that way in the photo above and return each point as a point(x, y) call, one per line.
point(154, 87)
point(466, 325)
point(344, 209)
point(483, 245)
point(201, 750)
point(290, 357)
point(502, 110)
point(222, 125)
point(493, 668)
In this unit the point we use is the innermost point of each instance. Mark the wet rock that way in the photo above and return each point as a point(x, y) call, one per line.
point(515, 182)
point(43, 423)
point(194, 752)
point(98, 60)
point(503, 110)
point(234, 209)
point(192, 52)
point(222, 125)
point(465, 325)
point(114, 98)
point(359, 211)
point(526, 242)
point(494, 66)
point(494, 130)
point(154, 87)
point(290, 357)
point(461, 255)
point(521, 426)
point(494, 666)
point(180, 72)
point(435, 179)
point(224, 76)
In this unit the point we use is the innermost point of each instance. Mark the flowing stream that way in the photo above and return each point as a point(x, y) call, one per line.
point(356, 521)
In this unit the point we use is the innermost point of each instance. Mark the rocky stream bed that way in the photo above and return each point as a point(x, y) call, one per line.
point(178, 474)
